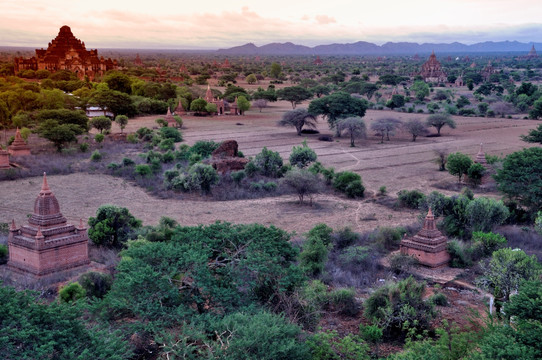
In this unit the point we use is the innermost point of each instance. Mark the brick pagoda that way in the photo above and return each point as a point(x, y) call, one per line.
point(48, 244)
point(428, 246)
point(170, 119)
point(66, 52)
point(432, 70)
point(18, 147)
point(4, 159)
point(220, 106)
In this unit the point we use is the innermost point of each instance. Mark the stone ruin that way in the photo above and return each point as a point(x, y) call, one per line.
point(48, 244)
point(18, 147)
point(225, 158)
point(428, 246)
point(4, 159)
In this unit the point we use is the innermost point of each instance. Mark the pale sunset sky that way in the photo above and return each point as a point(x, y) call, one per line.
point(212, 24)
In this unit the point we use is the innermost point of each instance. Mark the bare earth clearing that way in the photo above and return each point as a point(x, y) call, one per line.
point(397, 164)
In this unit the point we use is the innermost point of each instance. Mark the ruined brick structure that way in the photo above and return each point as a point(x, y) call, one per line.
point(224, 159)
point(18, 147)
point(488, 71)
point(66, 52)
point(4, 159)
point(428, 245)
point(432, 70)
point(48, 244)
point(220, 105)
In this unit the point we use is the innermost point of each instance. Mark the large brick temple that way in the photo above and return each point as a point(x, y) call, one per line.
point(66, 52)
point(48, 244)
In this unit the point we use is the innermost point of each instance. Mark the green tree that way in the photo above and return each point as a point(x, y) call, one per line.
point(302, 156)
point(112, 226)
point(507, 269)
point(268, 162)
point(203, 176)
point(34, 329)
point(421, 89)
point(440, 120)
point(251, 79)
point(59, 135)
point(118, 81)
point(298, 118)
point(64, 116)
point(520, 177)
point(117, 102)
point(458, 164)
point(354, 127)
point(294, 94)
point(122, 121)
point(4, 118)
point(320, 90)
point(275, 71)
point(337, 106)
point(486, 213)
point(475, 173)
point(534, 135)
point(243, 104)
point(101, 123)
point(198, 106)
point(536, 111)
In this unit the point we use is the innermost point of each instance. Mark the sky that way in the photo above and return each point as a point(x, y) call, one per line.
point(213, 24)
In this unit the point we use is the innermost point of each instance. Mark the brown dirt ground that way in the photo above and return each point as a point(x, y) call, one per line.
point(397, 164)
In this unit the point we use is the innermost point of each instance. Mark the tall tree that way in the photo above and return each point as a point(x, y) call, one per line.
point(439, 121)
point(337, 106)
point(294, 94)
point(415, 128)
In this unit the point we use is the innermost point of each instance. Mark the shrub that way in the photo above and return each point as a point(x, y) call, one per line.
point(303, 182)
point(355, 255)
point(112, 226)
point(344, 300)
point(439, 299)
point(343, 179)
point(127, 162)
point(255, 186)
point(410, 198)
point(99, 138)
point(344, 238)
point(270, 186)
point(382, 191)
point(3, 254)
point(400, 263)
point(268, 162)
point(387, 237)
point(83, 147)
point(96, 284)
point(475, 173)
point(131, 138)
point(96, 156)
point(322, 231)
point(355, 189)
point(328, 174)
point(251, 169)
point(113, 166)
point(143, 170)
point(71, 292)
point(486, 213)
point(301, 156)
point(171, 133)
point(490, 241)
point(166, 144)
point(238, 176)
point(398, 308)
point(314, 255)
point(204, 148)
point(203, 176)
point(460, 254)
point(144, 134)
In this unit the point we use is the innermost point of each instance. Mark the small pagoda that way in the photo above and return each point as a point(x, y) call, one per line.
point(428, 246)
point(220, 105)
point(18, 147)
point(48, 244)
point(179, 110)
point(170, 119)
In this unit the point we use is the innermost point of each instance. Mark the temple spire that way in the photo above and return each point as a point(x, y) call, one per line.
point(13, 227)
point(45, 186)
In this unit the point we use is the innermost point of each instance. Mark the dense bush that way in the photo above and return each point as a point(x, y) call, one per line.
point(71, 292)
point(96, 284)
point(410, 198)
point(268, 162)
point(112, 226)
point(3, 254)
point(343, 179)
point(355, 189)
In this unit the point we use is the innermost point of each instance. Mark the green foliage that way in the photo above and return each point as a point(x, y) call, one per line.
point(202, 176)
point(327, 345)
point(538, 223)
point(64, 117)
point(421, 89)
point(58, 134)
point(461, 254)
point(343, 179)
point(484, 213)
point(344, 301)
point(243, 104)
point(71, 292)
point(314, 255)
point(32, 329)
point(401, 264)
point(458, 164)
point(112, 226)
point(4, 255)
point(489, 241)
point(268, 162)
point(302, 156)
point(388, 237)
point(355, 189)
point(475, 173)
point(143, 170)
point(100, 123)
point(171, 133)
point(520, 177)
point(99, 138)
point(238, 176)
point(399, 307)
point(410, 198)
point(507, 269)
point(122, 121)
point(83, 147)
point(336, 106)
point(96, 156)
point(534, 135)
point(303, 182)
point(96, 284)
point(439, 299)
point(294, 94)
point(321, 231)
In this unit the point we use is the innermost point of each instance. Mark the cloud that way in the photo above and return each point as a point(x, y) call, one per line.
point(324, 19)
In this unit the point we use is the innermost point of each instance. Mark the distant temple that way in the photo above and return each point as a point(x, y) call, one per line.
point(18, 147)
point(532, 54)
point(488, 71)
point(432, 70)
point(66, 52)
point(428, 246)
point(48, 244)
point(220, 104)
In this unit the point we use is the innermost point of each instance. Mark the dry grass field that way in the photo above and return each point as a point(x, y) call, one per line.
point(397, 164)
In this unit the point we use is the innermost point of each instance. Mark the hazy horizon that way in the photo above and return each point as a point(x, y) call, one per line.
point(172, 25)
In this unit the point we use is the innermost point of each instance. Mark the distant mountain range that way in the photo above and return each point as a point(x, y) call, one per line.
point(389, 48)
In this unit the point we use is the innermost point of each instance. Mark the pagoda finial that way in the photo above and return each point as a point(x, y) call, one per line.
point(39, 235)
point(430, 213)
point(17, 134)
point(45, 186)
point(13, 227)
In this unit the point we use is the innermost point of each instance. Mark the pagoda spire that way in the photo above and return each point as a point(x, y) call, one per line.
point(45, 186)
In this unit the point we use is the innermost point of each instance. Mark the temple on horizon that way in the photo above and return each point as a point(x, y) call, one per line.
point(66, 52)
